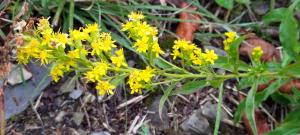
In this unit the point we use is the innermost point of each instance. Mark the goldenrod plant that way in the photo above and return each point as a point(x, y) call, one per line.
point(97, 58)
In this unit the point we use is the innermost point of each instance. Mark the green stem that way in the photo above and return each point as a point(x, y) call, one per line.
point(219, 110)
point(217, 76)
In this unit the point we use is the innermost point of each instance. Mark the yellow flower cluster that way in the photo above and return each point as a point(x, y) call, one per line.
point(190, 52)
point(257, 52)
point(230, 37)
point(118, 59)
point(57, 72)
point(139, 78)
point(104, 87)
point(50, 47)
point(92, 53)
point(145, 36)
point(97, 72)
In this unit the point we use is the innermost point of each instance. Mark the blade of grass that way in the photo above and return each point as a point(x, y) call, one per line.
point(71, 14)
point(58, 13)
point(250, 106)
point(164, 98)
point(219, 110)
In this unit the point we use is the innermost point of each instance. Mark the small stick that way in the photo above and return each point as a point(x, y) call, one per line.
point(86, 114)
point(139, 124)
point(184, 98)
point(225, 108)
point(133, 100)
point(133, 124)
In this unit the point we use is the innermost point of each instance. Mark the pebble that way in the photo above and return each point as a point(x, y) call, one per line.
point(15, 76)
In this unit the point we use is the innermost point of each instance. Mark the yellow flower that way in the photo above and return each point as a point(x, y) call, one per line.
point(57, 71)
point(43, 24)
point(197, 57)
point(141, 45)
point(147, 74)
point(74, 54)
point(180, 44)
point(104, 87)
point(96, 47)
point(97, 72)
point(22, 56)
point(79, 35)
point(210, 56)
point(231, 36)
point(47, 35)
point(257, 52)
point(44, 57)
point(103, 43)
point(135, 16)
point(92, 28)
point(62, 38)
point(69, 64)
point(106, 42)
point(156, 49)
point(119, 59)
point(138, 79)
point(175, 53)
point(127, 26)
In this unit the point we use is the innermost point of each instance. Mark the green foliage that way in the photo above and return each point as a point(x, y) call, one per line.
point(290, 125)
point(228, 4)
point(288, 29)
point(191, 87)
point(250, 106)
point(246, 2)
point(111, 15)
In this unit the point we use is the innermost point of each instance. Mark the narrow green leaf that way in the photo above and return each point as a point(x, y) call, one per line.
point(292, 70)
point(246, 2)
point(118, 80)
point(288, 34)
point(250, 106)
point(281, 98)
point(275, 15)
point(290, 126)
point(191, 87)
point(245, 82)
point(222, 62)
point(162, 63)
point(71, 14)
point(234, 53)
point(164, 98)
point(228, 4)
point(239, 112)
point(219, 109)
point(259, 97)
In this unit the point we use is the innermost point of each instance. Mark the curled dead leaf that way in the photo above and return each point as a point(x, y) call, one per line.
point(185, 30)
point(252, 41)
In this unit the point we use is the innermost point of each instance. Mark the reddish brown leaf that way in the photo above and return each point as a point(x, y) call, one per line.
point(287, 88)
point(270, 52)
point(260, 121)
point(185, 30)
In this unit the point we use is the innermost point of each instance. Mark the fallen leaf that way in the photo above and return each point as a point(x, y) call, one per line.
point(252, 41)
point(270, 54)
point(287, 88)
point(185, 30)
point(260, 121)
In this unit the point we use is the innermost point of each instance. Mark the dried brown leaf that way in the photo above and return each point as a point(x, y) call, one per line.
point(185, 30)
point(252, 41)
